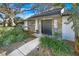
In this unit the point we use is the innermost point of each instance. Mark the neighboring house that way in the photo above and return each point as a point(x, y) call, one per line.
point(47, 22)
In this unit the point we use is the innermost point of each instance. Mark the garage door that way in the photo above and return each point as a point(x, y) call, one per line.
point(46, 26)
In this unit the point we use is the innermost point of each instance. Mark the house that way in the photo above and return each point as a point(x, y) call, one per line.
point(47, 22)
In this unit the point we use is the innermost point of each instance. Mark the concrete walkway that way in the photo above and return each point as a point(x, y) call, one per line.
point(26, 48)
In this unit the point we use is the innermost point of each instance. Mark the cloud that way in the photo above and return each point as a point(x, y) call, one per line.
point(25, 16)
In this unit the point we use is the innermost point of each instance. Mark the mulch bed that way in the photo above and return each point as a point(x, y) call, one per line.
point(70, 43)
point(39, 51)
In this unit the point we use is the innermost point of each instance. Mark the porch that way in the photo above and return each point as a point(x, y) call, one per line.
point(44, 25)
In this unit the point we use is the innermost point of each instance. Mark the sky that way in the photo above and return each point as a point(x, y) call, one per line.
point(27, 13)
point(68, 6)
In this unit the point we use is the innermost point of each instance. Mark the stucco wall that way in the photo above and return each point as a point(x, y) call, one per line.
point(67, 32)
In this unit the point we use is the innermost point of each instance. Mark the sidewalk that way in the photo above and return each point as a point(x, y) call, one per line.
point(26, 48)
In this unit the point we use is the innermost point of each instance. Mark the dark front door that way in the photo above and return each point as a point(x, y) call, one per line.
point(46, 26)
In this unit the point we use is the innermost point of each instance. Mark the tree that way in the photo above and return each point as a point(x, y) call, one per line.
point(9, 13)
point(18, 20)
point(11, 10)
point(74, 17)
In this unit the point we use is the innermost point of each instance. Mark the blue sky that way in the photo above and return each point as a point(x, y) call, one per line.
point(68, 6)
point(27, 13)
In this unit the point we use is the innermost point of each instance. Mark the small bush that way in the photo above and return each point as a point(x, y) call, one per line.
point(57, 47)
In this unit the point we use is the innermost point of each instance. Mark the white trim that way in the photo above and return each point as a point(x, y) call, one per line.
point(62, 11)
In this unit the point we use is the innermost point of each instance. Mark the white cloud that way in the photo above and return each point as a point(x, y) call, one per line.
point(25, 16)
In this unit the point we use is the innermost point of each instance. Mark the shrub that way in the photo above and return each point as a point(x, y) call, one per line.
point(57, 47)
point(14, 34)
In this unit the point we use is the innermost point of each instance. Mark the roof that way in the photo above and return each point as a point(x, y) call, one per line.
point(66, 13)
point(48, 13)
point(56, 11)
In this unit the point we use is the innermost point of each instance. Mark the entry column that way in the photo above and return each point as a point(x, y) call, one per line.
point(60, 26)
point(36, 25)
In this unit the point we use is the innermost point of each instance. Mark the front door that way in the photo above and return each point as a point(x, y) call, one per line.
point(46, 27)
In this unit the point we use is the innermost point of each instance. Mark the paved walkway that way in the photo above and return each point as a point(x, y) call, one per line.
point(26, 48)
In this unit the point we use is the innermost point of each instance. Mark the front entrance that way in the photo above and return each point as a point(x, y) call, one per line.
point(46, 27)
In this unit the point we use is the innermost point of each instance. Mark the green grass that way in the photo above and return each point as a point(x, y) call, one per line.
point(9, 35)
point(57, 47)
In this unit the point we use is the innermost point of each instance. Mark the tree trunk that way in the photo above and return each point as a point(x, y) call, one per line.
point(12, 21)
point(9, 22)
point(76, 43)
point(3, 23)
point(6, 22)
